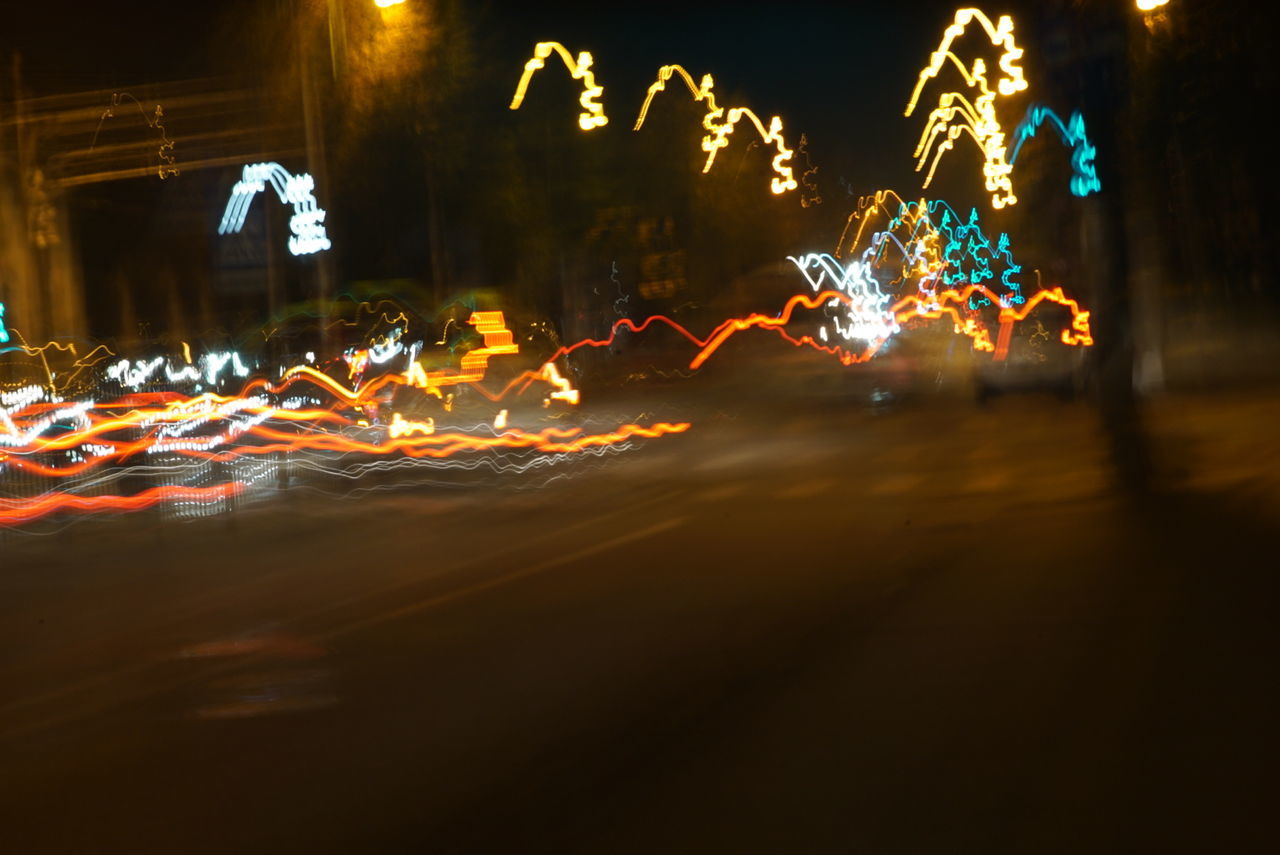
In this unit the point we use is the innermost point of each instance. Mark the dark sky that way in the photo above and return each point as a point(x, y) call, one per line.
point(838, 71)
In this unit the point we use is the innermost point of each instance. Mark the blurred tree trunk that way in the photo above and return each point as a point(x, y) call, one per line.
point(1100, 60)
point(436, 250)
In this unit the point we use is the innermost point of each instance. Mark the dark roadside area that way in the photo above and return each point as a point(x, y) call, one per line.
point(806, 625)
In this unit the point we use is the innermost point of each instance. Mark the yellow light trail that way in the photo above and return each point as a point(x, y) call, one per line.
point(402, 427)
point(592, 112)
point(717, 136)
point(977, 118)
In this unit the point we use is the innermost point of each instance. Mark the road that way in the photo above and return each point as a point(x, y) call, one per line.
point(798, 627)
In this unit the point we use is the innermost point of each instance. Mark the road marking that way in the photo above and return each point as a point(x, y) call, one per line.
point(489, 584)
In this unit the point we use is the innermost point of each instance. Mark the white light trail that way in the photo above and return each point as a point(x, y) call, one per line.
point(307, 222)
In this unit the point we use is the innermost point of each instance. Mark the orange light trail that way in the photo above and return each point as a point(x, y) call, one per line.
point(25, 510)
point(441, 445)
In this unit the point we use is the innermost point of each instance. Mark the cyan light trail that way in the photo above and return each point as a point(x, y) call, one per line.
point(968, 251)
point(938, 248)
point(1084, 175)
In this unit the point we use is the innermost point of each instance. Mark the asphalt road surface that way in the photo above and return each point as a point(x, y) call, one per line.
point(930, 627)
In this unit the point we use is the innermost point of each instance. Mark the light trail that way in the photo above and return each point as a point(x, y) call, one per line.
point(164, 154)
point(307, 222)
point(937, 246)
point(592, 112)
point(1084, 173)
point(719, 124)
point(22, 511)
point(957, 115)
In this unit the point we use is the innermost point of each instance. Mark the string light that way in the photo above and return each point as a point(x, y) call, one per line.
point(592, 112)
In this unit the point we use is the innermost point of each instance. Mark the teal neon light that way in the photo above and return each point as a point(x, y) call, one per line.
point(1084, 175)
point(4, 333)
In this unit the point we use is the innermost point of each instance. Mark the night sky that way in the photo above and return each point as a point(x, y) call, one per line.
point(838, 71)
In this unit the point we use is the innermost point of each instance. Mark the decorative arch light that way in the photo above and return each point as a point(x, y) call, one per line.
point(956, 114)
point(307, 222)
point(1084, 173)
point(592, 111)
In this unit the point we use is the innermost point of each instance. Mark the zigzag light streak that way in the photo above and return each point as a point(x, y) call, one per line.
point(1084, 173)
point(717, 136)
point(592, 112)
point(977, 118)
point(937, 248)
point(307, 222)
point(947, 304)
point(98, 448)
point(967, 254)
point(87, 445)
point(867, 318)
point(170, 430)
